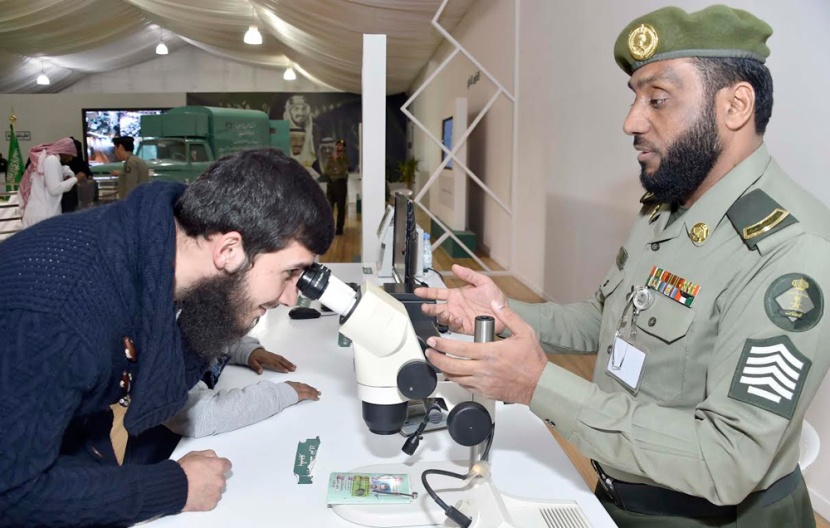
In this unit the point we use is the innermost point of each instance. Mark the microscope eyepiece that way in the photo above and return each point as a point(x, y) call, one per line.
point(317, 283)
point(314, 280)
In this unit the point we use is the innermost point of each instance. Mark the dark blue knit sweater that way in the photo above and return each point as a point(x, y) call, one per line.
point(70, 289)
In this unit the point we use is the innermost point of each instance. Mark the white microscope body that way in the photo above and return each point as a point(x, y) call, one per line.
point(391, 369)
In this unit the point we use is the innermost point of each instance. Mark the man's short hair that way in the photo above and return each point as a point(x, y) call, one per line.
point(125, 141)
point(266, 196)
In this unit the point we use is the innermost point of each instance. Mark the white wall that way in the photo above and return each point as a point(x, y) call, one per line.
point(487, 31)
point(578, 187)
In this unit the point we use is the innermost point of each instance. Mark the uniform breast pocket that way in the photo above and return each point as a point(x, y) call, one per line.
point(663, 328)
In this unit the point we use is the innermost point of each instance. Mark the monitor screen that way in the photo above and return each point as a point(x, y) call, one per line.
point(404, 241)
point(103, 124)
point(446, 139)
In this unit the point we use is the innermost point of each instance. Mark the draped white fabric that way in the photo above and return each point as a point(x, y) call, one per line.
point(323, 38)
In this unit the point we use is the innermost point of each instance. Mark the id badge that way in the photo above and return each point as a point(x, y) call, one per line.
point(627, 364)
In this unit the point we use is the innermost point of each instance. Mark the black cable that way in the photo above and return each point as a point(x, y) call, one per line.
point(486, 452)
point(451, 512)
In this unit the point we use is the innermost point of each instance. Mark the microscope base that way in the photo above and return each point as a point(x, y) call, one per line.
point(478, 498)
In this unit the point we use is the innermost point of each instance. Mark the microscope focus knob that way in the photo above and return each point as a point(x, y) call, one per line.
point(469, 423)
point(417, 380)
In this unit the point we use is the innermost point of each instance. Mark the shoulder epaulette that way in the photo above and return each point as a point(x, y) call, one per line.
point(756, 216)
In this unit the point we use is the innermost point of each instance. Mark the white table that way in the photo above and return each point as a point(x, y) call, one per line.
point(263, 491)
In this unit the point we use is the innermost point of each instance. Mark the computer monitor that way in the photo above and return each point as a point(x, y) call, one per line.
point(404, 241)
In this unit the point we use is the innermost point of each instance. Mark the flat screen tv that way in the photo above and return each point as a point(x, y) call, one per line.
point(446, 139)
point(103, 124)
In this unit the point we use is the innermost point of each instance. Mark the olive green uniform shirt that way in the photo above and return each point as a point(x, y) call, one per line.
point(337, 168)
point(697, 423)
point(134, 173)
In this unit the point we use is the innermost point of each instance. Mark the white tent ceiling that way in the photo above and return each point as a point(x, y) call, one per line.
point(322, 38)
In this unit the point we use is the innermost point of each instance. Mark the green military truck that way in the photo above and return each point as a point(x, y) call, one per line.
point(181, 143)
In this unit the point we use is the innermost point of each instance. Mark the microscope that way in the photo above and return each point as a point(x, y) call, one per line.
point(391, 370)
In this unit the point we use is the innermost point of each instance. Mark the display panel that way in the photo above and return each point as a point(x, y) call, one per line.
point(103, 124)
point(446, 139)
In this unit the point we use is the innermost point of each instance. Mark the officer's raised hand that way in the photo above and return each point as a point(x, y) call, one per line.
point(506, 370)
point(465, 303)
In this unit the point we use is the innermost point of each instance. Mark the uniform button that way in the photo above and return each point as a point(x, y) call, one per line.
point(606, 282)
point(655, 246)
point(609, 349)
point(652, 321)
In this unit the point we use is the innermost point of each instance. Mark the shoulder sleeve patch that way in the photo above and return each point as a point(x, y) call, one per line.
point(756, 216)
point(770, 374)
point(794, 302)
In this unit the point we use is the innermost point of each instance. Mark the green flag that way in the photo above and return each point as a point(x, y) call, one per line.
point(14, 170)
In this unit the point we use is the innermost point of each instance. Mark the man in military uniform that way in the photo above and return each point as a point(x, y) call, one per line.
point(135, 171)
point(709, 326)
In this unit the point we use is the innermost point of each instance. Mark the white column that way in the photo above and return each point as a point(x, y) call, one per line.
point(373, 143)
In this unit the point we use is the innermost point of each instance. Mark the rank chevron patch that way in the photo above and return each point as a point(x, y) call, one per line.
point(770, 374)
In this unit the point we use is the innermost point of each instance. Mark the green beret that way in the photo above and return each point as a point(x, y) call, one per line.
point(671, 33)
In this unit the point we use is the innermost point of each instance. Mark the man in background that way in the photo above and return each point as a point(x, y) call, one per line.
point(337, 173)
point(135, 171)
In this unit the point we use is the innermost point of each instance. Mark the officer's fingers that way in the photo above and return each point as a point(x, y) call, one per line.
point(458, 348)
point(450, 366)
point(433, 309)
point(438, 294)
point(510, 319)
point(468, 275)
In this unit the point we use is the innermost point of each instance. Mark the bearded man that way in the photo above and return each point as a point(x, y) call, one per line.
point(130, 303)
point(709, 326)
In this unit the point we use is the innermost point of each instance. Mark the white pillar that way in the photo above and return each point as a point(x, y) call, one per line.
point(373, 143)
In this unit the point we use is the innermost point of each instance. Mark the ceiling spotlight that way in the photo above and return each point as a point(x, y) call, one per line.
point(161, 49)
point(253, 36)
point(42, 79)
point(289, 74)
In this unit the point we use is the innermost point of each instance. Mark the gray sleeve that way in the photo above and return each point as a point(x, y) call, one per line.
point(571, 328)
point(241, 350)
point(209, 412)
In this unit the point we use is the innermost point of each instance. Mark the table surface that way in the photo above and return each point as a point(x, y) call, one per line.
point(263, 491)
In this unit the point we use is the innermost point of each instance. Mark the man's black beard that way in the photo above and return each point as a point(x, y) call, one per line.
point(211, 316)
point(686, 162)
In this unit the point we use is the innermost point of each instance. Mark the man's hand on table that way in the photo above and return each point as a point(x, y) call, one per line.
point(304, 392)
point(206, 474)
point(261, 359)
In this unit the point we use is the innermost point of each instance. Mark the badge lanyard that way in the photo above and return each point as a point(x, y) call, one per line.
point(638, 300)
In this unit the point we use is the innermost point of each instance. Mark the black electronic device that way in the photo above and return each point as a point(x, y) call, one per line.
point(303, 312)
point(100, 125)
point(404, 242)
